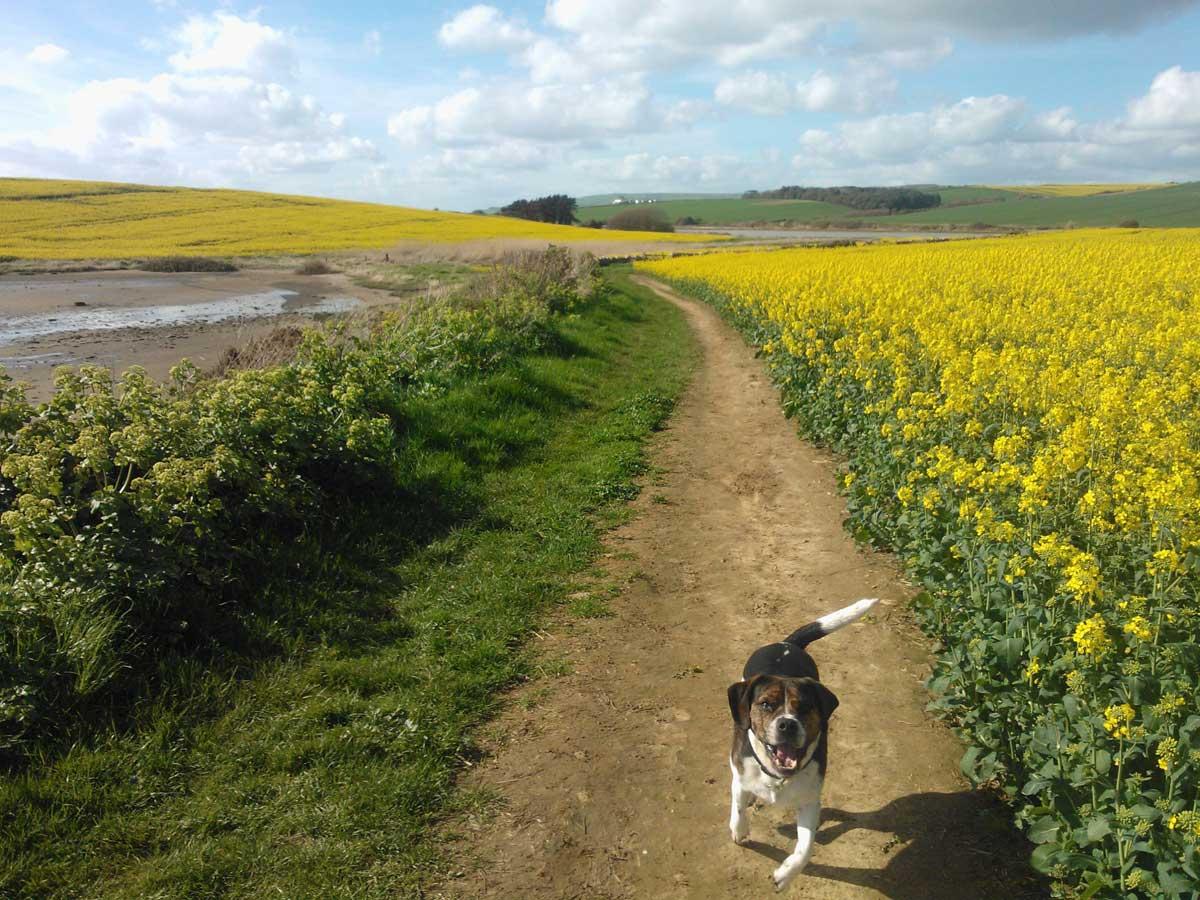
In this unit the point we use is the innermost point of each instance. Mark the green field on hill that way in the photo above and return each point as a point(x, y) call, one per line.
point(727, 212)
point(1175, 206)
point(1166, 206)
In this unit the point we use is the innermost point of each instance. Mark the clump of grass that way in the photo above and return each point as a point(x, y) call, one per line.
point(419, 279)
point(276, 348)
point(187, 264)
point(315, 267)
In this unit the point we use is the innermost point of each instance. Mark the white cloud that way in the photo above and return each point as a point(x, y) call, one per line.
point(1057, 124)
point(225, 42)
point(858, 90)
point(582, 74)
point(632, 35)
point(623, 35)
point(757, 92)
point(860, 43)
point(973, 120)
point(189, 128)
point(483, 28)
point(502, 157)
point(373, 42)
point(920, 53)
point(999, 138)
point(171, 109)
point(654, 170)
point(299, 156)
point(551, 113)
point(47, 54)
point(1172, 102)
point(686, 112)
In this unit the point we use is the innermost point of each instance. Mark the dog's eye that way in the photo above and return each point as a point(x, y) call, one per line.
point(766, 704)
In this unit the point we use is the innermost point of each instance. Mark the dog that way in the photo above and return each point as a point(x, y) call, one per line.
point(780, 734)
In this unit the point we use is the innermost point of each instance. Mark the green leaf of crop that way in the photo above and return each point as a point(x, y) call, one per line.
point(1044, 857)
point(1044, 830)
point(1035, 786)
point(1098, 829)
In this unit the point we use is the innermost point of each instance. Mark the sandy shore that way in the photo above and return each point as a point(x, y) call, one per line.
point(122, 318)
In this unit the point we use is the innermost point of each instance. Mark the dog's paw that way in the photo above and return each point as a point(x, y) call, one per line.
point(740, 831)
point(783, 876)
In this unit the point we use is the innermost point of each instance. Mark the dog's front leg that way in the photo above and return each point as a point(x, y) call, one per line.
point(808, 817)
point(739, 822)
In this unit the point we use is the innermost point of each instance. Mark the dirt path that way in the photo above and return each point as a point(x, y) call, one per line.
point(614, 777)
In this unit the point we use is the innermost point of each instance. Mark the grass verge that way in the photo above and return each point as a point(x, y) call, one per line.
point(318, 772)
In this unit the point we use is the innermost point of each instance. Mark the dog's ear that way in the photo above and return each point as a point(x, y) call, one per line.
point(826, 701)
point(740, 694)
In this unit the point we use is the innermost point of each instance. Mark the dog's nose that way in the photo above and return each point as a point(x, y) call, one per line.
point(788, 726)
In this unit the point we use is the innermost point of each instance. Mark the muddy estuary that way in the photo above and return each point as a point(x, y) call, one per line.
point(119, 319)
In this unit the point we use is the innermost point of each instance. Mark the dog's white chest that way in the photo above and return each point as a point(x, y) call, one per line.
point(801, 789)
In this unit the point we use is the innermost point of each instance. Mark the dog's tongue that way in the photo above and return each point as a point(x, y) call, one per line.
point(786, 757)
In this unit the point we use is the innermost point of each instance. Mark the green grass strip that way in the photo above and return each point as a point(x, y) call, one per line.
point(319, 773)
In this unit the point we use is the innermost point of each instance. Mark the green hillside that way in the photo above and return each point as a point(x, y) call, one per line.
point(729, 211)
point(1168, 206)
point(952, 196)
point(606, 199)
point(1163, 207)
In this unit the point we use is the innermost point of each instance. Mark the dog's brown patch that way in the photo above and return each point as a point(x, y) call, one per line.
point(812, 723)
point(770, 698)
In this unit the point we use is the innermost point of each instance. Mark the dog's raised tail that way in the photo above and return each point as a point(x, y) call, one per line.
point(831, 622)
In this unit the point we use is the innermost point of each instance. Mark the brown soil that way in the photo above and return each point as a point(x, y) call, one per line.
point(613, 778)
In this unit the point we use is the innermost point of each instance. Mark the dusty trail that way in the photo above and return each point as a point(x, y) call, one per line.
point(615, 778)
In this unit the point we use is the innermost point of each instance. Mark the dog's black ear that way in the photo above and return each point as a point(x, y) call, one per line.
point(826, 701)
point(738, 707)
point(740, 693)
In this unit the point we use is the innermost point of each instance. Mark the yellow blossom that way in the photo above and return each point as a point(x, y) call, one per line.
point(1091, 637)
point(1031, 671)
point(1117, 719)
point(1139, 627)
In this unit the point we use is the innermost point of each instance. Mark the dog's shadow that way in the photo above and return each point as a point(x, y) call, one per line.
point(940, 846)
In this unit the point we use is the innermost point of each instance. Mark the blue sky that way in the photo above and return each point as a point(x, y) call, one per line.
point(461, 106)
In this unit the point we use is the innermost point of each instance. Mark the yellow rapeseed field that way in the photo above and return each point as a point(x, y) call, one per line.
point(1022, 421)
point(1074, 190)
point(42, 219)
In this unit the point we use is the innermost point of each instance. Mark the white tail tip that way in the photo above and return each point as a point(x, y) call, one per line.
point(843, 617)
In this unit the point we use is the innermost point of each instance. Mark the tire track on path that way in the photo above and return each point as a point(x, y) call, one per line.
point(614, 777)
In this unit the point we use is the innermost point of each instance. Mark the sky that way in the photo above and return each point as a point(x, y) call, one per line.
point(462, 106)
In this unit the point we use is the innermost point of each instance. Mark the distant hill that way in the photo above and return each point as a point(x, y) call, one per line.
point(1026, 206)
point(46, 219)
point(601, 199)
point(727, 210)
point(1172, 206)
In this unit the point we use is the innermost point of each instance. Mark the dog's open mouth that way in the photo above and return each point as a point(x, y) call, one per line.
point(785, 757)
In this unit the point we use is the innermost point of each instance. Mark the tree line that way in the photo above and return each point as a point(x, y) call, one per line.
point(556, 208)
point(893, 199)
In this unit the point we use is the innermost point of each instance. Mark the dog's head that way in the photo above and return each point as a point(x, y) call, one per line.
point(787, 715)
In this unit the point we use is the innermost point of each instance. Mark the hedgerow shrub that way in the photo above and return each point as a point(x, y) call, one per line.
point(136, 518)
point(640, 218)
